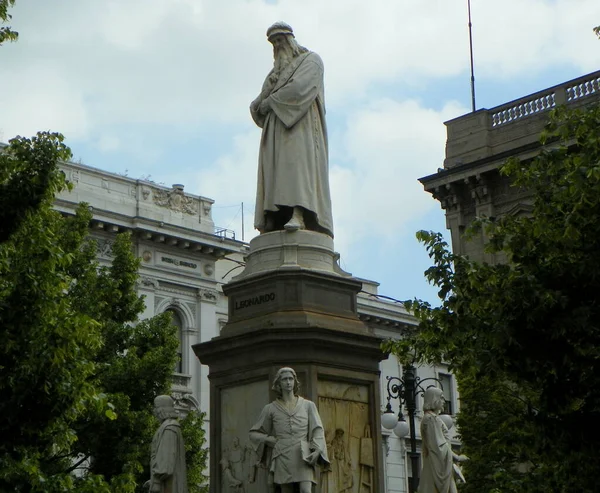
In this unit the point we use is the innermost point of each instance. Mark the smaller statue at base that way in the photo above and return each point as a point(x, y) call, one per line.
point(437, 473)
point(167, 463)
point(289, 437)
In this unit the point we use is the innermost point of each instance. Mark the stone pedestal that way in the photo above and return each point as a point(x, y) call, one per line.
point(293, 306)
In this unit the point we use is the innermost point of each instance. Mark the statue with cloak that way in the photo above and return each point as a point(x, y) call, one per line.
point(293, 170)
point(168, 472)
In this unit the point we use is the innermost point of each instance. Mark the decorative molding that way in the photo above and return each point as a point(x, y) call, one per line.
point(209, 295)
point(209, 269)
point(191, 306)
point(148, 282)
point(181, 383)
point(185, 402)
point(158, 300)
point(386, 443)
point(105, 248)
point(175, 200)
point(479, 189)
point(169, 287)
point(187, 316)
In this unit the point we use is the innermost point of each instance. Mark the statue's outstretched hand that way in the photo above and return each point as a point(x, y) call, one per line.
point(461, 458)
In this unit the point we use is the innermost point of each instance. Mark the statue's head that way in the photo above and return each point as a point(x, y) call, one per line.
point(433, 400)
point(279, 28)
point(285, 46)
point(285, 373)
point(164, 407)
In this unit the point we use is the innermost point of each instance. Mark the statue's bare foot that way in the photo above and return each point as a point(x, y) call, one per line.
point(296, 222)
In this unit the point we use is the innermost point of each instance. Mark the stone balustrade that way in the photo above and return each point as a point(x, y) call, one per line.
point(491, 132)
point(569, 92)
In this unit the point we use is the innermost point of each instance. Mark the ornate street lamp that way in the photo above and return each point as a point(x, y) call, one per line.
point(406, 390)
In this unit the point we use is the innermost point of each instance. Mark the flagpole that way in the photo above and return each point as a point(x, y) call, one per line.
point(471, 53)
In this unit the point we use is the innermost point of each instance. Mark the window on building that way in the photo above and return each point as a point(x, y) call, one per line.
point(178, 322)
point(446, 380)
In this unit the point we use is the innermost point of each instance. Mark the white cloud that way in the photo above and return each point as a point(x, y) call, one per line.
point(515, 37)
point(93, 64)
point(230, 181)
point(27, 108)
point(137, 80)
point(390, 145)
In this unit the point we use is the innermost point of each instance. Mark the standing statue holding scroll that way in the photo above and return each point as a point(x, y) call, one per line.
point(293, 170)
point(289, 437)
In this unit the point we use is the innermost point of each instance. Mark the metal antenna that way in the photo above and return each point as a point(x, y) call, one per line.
point(242, 221)
point(471, 52)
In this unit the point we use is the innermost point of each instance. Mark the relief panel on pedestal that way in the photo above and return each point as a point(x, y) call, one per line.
point(240, 406)
point(344, 409)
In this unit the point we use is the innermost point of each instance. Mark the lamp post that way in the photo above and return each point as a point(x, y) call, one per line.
point(406, 390)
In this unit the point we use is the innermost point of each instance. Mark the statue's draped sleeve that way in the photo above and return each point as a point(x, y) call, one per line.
point(292, 101)
point(267, 87)
point(262, 429)
point(317, 434)
point(164, 460)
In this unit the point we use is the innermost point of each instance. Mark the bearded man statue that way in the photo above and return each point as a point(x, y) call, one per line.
point(293, 171)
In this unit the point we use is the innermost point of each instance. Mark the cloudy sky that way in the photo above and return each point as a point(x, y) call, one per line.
point(160, 89)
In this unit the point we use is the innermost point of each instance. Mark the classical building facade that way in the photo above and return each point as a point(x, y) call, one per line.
point(186, 261)
point(470, 185)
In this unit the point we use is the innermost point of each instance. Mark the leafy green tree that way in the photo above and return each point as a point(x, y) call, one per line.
point(6, 33)
point(524, 337)
point(134, 366)
point(196, 453)
point(78, 370)
point(48, 347)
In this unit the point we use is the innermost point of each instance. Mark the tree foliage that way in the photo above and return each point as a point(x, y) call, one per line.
point(196, 453)
point(524, 337)
point(48, 347)
point(6, 33)
point(134, 364)
point(78, 370)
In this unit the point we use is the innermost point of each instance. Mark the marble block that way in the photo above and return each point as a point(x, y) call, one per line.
point(292, 250)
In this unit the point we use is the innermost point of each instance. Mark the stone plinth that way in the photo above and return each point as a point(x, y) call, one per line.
point(291, 315)
point(282, 250)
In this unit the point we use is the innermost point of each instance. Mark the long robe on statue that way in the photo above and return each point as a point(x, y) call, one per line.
point(298, 432)
point(293, 165)
point(437, 475)
point(167, 463)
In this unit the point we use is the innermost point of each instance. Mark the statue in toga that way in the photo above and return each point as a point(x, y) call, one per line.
point(289, 438)
point(293, 170)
